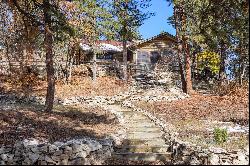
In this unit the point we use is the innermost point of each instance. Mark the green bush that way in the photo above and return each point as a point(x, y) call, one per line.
point(220, 135)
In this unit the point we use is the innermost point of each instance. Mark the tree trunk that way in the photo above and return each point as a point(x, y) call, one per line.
point(179, 49)
point(8, 57)
point(125, 59)
point(242, 73)
point(242, 66)
point(94, 67)
point(189, 87)
point(66, 71)
point(222, 74)
point(70, 65)
point(49, 59)
point(188, 69)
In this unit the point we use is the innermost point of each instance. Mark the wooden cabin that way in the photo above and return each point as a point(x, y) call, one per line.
point(150, 51)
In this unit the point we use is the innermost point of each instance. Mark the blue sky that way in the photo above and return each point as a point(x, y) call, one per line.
point(158, 23)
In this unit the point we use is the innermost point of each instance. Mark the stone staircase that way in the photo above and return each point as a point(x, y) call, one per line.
point(144, 140)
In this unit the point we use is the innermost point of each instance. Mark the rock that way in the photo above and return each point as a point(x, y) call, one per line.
point(10, 159)
point(214, 159)
point(225, 162)
point(246, 150)
point(241, 156)
point(33, 157)
point(67, 150)
point(1, 150)
point(81, 154)
point(31, 142)
point(6, 150)
point(56, 158)
point(48, 159)
point(58, 144)
point(240, 162)
point(64, 162)
point(76, 148)
point(52, 148)
point(18, 144)
point(77, 161)
point(2, 162)
point(4, 157)
point(43, 148)
point(94, 145)
point(108, 142)
point(241, 159)
point(194, 161)
point(17, 153)
point(27, 161)
point(64, 157)
point(42, 162)
point(58, 153)
point(85, 148)
point(185, 158)
point(217, 150)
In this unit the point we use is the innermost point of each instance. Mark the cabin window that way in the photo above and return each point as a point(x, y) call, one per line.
point(155, 56)
point(143, 57)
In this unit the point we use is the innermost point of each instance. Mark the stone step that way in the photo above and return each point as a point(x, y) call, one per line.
point(132, 113)
point(142, 149)
point(143, 129)
point(134, 121)
point(143, 135)
point(133, 116)
point(140, 125)
point(141, 132)
point(127, 110)
point(145, 142)
point(143, 156)
point(138, 121)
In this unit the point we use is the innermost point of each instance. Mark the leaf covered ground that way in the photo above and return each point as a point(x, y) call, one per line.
point(28, 121)
point(78, 86)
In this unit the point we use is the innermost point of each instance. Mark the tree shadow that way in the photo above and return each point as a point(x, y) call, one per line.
point(30, 121)
point(89, 118)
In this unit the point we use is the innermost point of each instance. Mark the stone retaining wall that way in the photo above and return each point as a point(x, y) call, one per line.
point(185, 153)
point(74, 152)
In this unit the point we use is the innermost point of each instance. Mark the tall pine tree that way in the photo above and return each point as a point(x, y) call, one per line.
point(129, 16)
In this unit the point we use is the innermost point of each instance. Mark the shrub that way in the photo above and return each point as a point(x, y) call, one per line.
point(220, 135)
point(208, 59)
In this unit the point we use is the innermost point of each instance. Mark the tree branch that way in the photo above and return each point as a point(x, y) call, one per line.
point(26, 14)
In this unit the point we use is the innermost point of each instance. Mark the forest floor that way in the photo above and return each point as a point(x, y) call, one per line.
point(23, 121)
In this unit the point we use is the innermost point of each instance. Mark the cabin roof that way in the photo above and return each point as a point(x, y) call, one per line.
point(161, 36)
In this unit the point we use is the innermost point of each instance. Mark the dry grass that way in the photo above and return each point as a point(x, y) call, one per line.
point(79, 86)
